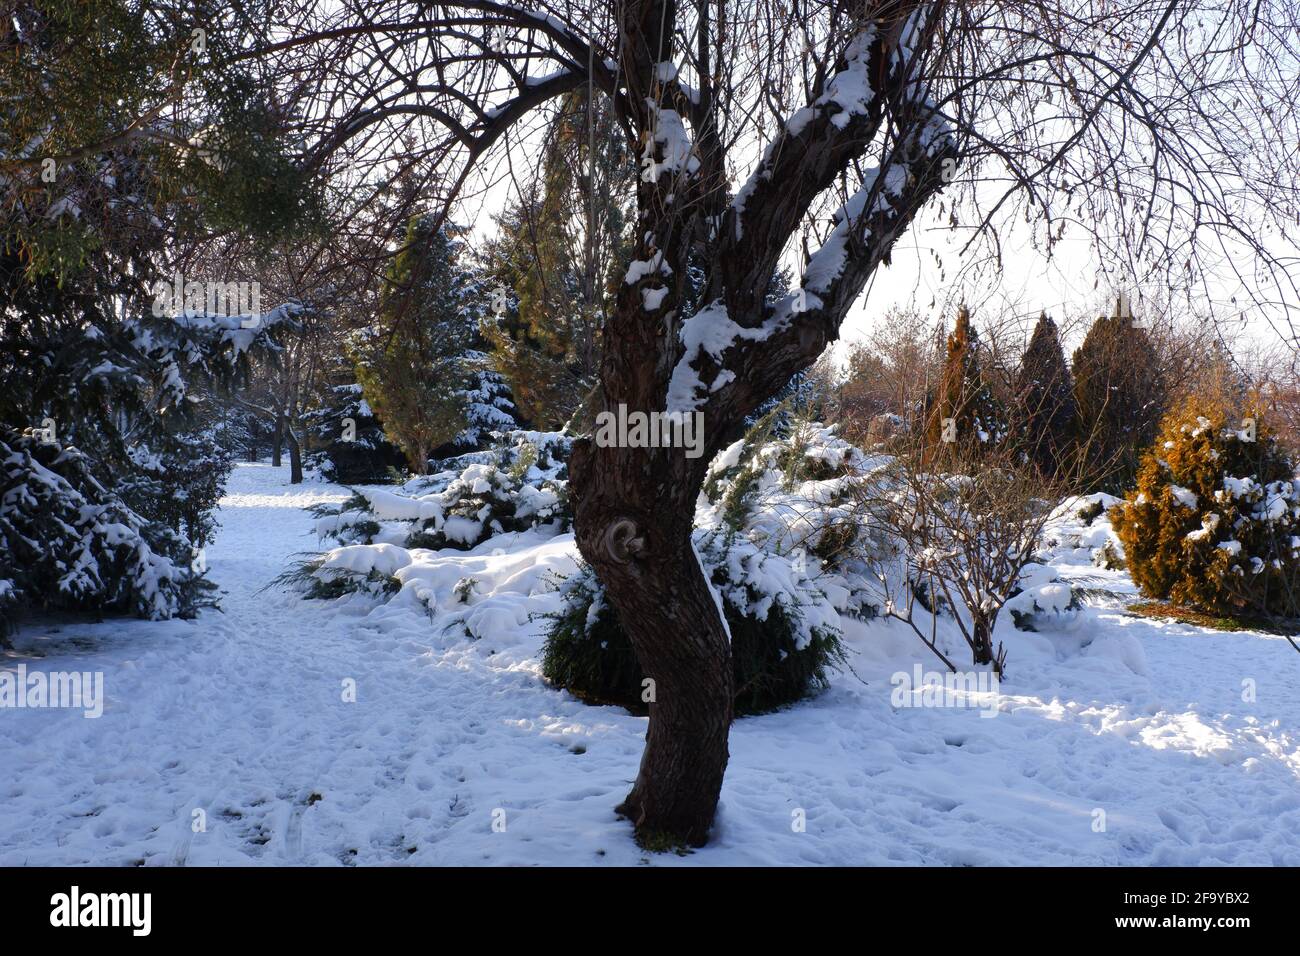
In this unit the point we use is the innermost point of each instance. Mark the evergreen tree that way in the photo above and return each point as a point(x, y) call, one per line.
point(1117, 393)
point(107, 475)
point(1045, 413)
point(486, 401)
point(1215, 520)
point(555, 259)
point(349, 443)
point(965, 417)
point(420, 366)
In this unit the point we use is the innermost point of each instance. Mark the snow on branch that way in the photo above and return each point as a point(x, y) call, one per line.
point(849, 93)
point(668, 133)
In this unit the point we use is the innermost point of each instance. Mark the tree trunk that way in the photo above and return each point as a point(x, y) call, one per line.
point(982, 639)
point(633, 517)
point(277, 442)
point(420, 461)
point(295, 457)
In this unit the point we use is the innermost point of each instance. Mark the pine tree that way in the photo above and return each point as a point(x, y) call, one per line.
point(1045, 413)
point(108, 471)
point(486, 401)
point(420, 366)
point(348, 441)
point(1117, 393)
point(965, 418)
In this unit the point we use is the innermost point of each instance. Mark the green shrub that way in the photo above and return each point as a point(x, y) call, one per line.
point(778, 654)
point(309, 577)
point(1214, 522)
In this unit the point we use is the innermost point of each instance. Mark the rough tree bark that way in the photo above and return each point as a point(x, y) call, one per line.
point(277, 441)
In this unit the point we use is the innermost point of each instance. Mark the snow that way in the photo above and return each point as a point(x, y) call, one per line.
point(668, 131)
point(241, 715)
point(362, 559)
point(640, 268)
point(652, 299)
point(708, 332)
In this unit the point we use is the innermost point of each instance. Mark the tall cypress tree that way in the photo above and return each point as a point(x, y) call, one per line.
point(1045, 413)
point(1118, 396)
point(965, 418)
point(411, 362)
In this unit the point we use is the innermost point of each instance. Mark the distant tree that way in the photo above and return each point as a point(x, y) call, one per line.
point(412, 363)
point(1044, 425)
point(1119, 396)
point(965, 418)
point(348, 441)
point(485, 400)
point(555, 256)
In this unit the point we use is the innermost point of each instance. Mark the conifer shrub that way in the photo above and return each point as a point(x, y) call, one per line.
point(516, 486)
point(1119, 397)
point(1044, 423)
point(966, 421)
point(68, 542)
point(316, 582)
point(782, 643)
point(1214, 522)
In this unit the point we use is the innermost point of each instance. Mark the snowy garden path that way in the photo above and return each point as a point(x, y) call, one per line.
point(241, 715)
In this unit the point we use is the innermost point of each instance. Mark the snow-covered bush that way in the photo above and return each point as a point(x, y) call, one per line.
point(1214, 522)
point(1080, 532)
point(69, 542)
point(112, 469)
point(348, 570)
point(788, 486)
point(962, 541)
point(518, 485)
point(350, 441)
point(784, 634)
point(1041, 598)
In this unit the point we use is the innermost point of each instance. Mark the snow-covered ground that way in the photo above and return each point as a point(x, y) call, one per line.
point(242, 715)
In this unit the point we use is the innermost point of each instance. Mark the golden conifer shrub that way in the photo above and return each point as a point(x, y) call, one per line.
point(1214, 522)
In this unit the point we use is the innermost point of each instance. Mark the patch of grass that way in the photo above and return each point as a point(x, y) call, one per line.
point(656, 841)
point(1219, 622)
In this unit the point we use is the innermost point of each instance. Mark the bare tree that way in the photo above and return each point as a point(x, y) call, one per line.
point(1145, 126)
point(962, 538)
